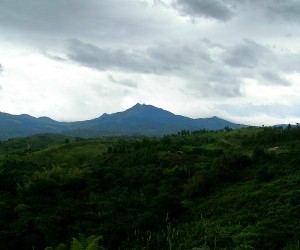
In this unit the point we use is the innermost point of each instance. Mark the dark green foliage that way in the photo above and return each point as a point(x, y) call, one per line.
point(197, 190)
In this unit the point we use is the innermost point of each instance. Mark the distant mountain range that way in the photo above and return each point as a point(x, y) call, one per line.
point(140, 119)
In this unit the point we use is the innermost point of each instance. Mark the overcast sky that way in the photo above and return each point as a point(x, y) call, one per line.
point(74, 59)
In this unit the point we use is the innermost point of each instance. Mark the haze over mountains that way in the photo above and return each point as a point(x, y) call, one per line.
point(140, 119)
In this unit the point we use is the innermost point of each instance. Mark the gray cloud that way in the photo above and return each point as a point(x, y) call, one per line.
point(44, 22)
point(1, 69)
point(249, 109)
point(104, 59)
point(194, 63)
point(55, 57)
point(178, 56)
point(124, 82)
point(212, 59)
point(158, 59)
point(223, 83)
point(216, 9)
point(215, 82)
point(224, 10)
point(253, 60)
point(219, 89)
point(247, 55)
point(287, 10)
point(289, 62)
point(274, 79)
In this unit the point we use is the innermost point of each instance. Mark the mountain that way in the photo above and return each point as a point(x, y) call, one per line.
point(144, 119)
point(25, 125)
point(140, 119)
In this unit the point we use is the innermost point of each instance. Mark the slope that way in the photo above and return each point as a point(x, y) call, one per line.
point(138, 120)
point(208, 190)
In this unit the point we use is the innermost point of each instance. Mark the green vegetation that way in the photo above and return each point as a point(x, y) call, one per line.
point(231, 189)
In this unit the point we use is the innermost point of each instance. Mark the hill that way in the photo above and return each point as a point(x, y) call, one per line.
point(26, 125)
point(138, 120)
point(206, 190)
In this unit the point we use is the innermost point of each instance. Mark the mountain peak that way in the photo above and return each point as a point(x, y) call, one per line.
point(141, 119)
point(104, 115)
point(140, 106)
point(45, 118)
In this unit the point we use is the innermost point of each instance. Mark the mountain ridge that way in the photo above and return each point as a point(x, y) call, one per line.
point(140, 119)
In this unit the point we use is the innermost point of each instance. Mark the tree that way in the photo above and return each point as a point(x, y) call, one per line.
point(83, 243)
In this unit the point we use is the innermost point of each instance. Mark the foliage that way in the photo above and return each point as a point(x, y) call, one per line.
point(233, 189)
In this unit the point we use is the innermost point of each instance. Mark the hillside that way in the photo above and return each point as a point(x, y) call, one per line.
point(25, 125)
point(206, 190)
point(138, 120)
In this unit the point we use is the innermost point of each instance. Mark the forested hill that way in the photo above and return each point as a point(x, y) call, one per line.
point(26, 125)
point(138, 120)
point(206, 190)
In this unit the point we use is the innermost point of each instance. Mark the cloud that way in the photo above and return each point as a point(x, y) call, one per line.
point(254, 61)
point(216, 9)
point(274, 79)
point(289, 62)
point(104, 59)
point(247, 55)
point(157, 59)
point(143, 50)
point(224, 10)
point(249, 109)
point(217, 89)
point(124, 82)
point(221, 83)
point(35, 15)
point(191, 62)
point(47, 22)
point(287, 10)
point(54, 57)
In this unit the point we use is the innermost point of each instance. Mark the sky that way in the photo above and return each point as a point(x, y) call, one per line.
point(75, 60)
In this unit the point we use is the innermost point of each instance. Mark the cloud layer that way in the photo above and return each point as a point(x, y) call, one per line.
point(204, 8)
point(198, 58)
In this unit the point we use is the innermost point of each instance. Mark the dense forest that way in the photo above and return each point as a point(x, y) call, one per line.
point(228, 189)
